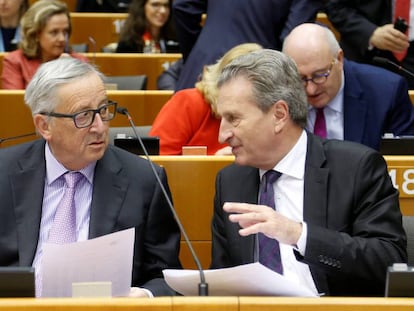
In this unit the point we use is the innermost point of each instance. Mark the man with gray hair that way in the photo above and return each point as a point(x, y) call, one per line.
point(323, 213)
point(347, 100)
point(113, 189)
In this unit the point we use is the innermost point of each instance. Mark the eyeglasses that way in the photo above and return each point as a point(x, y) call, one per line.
point(319, 78)
point(85, 118)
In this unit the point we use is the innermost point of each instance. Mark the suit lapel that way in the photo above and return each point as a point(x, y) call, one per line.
point(249, 194)
point(316, 195)
point(316, 183)
point(108, 194)
point(27, 190)
point(355, 108)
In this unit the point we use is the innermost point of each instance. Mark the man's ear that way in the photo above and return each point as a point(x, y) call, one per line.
point(280, 112)
point(42, 126)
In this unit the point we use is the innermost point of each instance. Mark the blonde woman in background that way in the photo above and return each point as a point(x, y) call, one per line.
point(46, 29)
point(190, 117)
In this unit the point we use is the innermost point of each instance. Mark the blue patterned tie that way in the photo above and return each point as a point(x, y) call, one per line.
point(269, 251)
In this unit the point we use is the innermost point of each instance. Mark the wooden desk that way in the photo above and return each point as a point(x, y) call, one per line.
point(411, 93)
point(401, 169)
point(71, 4)
point(118, 64)
point(16, 119)
point(191, 180)
point(103, 28)
point(229, 303)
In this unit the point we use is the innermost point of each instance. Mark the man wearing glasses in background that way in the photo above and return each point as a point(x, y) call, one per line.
point(347, 100)
point(114, 189)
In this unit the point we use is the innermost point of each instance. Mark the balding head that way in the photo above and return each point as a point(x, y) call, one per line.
point(316, 51)
point(311, 38)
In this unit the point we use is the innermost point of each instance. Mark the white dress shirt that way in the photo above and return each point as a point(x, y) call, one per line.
point(290, 204)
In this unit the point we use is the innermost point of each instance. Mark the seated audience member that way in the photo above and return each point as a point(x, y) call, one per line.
point(148, 29)
point(358, 102)
point(366, 30)
point(169, 77)
point(11, 12)
point(46, 30)
point(100, 6)
point(190, 118)
point(327, 216)
point(116, 189)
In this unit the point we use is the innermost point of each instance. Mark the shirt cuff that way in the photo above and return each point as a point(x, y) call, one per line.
point(301, 245)
point(148, 292)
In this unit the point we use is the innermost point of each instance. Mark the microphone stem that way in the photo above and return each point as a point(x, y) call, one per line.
point(406, 71)
point(202, 286)
point(16, 137)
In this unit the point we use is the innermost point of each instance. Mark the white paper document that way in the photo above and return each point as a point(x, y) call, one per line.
point(104, 259)
point(246, 280)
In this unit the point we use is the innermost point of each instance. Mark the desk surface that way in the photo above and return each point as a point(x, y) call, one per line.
point(211, 304)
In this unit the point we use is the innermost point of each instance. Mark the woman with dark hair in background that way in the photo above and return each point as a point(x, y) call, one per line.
point(10, 13)
point(45, 30)
point(148, 29)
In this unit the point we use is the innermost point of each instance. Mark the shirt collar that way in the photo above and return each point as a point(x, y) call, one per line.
point(293, 164)
point(54, 169)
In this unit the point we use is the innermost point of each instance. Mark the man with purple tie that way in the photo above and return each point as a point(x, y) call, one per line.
point(358, 102)
point(71, 185)
point(327, 207)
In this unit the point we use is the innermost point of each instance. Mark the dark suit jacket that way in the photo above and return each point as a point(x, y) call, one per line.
point(232, 22)
point(376, 101)
point(125, 195)
point(356, 21)
point(350, 206)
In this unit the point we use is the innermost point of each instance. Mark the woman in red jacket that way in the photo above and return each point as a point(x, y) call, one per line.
point(46, 28)
point(190, 117)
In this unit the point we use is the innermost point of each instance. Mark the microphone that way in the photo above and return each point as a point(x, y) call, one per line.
point(202, 286)
point(93, 42)
point(16, 137)
point(385, 61)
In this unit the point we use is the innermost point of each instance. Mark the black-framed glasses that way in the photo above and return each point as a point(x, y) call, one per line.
point(85, 118)
point(319, 78)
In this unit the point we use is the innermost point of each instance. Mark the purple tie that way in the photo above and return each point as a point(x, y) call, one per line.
point(64, 225)
point(320, 124)
point(269, 251)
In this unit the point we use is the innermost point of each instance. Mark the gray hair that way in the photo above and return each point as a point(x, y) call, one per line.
point(40, 93)
point(274, 77)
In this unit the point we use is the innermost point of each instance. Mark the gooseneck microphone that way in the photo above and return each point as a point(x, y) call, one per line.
point(16, 137)
point(202, 286)
point(385, 61)
point(93, 42)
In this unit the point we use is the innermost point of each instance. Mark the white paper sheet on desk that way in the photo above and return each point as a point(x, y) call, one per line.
point(246, 280)
point(106, 258)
